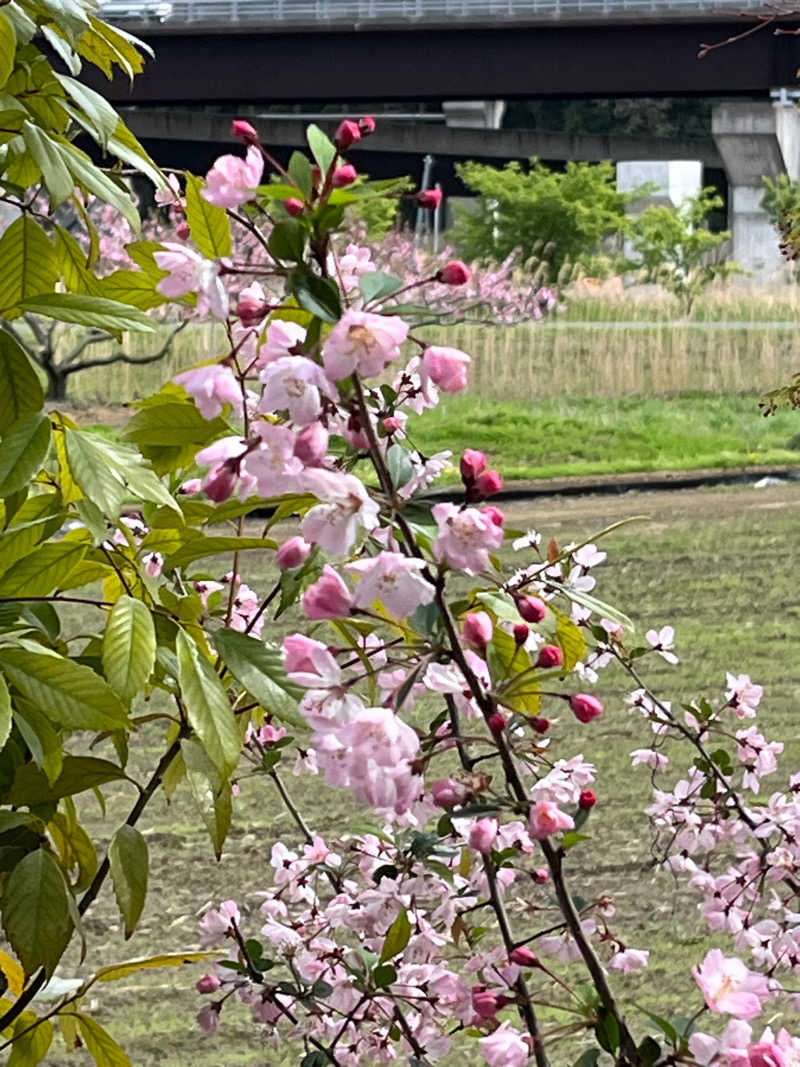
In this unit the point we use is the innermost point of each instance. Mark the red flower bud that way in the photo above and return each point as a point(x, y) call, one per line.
point(429, 198)
point(222, 485)
point(473, 463)
point(494, 515)
point(344, 175)
point(521, 633)
point(497, 722)
point(585, 706)
point(294, 206)
point(485, 1003)
point(531, 608)
point(182, 230)
point(488, 483)
point(541, 875)
point(540, 725)
point(347, 134)
point(550, 656)
point(454, 273)
point(587, 800)
point(447, 793)
point(366, 125)
point(250, 310)
point(478, 629)
point(209, 983)
point(244, 131)
point(523, 957)
point(391, 425)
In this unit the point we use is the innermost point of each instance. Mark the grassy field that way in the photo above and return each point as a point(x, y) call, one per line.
point(718, 564)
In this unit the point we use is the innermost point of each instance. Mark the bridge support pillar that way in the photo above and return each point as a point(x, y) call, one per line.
point(474, 114)
point(756, 139)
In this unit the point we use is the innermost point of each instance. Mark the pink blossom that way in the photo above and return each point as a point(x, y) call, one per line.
point(454, 273)
point(294, 383)
point(328, 597)
point(346, 506)
point(487, 484)
point(363, 342)
point(767, 1054)
point(216, 922)
point(550, 656)
point(209, 983)
point(294, 207)
point(346, 174)
point(547, 818)
point(308, 662)
point(274, 467)
point(232, 181)
point(429, 198)
point(629, 959)
point(585, 707)
point(447, 367)
point(524, 957)
point(730, 1048)
point(208, 1018)
point(212, 388)
point(292, 553)
point(743, 695)
point(531, 608)
point(466, 537)
point(663, 641)
point(154, 564)
point(395, 580)
point(347, 133)
point(252, 305)
point(729, 987)
point(471, 464)
point(311, 445)
point(224, 457)
point(244, 130)
point(170, 193)
point(478, 629)
point(650, 758)
point(283, 339)
point(189, 272)
point(482, 835)
point(447, 793)
point(504, 1048)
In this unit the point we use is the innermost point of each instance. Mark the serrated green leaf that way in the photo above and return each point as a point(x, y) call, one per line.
point(133, 288)
point(30, 1043)
point(211, 791)
point(88, 175)
point(129, 647)
point(22, 451)
point(598, 607)
point(67, 692)
point(203, 547)
point(43, 570)
point(101, 1045)
point(378, 286)
point(127, 855)
point(96, 114)
point(78, 774)
point(47, 153)
point(209, 224)
point(36, 914)
point(5, 712)
point(570, 638)
point(8, 48)
point(124, 145)
point(95, 311)
point(207, 708)
point(260, 670)
point(397, 937)
point(28, 265)
point(300, 170)
point(73, 261)
point(321, 147)
point(175, 423)
point(20, 389)
point(287, 240)
point(108, 472)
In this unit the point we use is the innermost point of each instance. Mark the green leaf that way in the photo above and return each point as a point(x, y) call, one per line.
point(78, 774)
point(129, 647)
point(300, 170)
point(384, 975)
point(588, 1058)
point(73, 261)
point(321, 147)
point(101, 1045)
point(124, 145)
point(318, 295)
point(47, 154)
point(287, 240)
point(36, 914)
point(202, 547)
point(378, 286)
point(207, 708)
point(8, 48)
point(96, 114)
point(44, 570)
point(571, 639)
point(598, 607)
point(108, 472)
point(127, 855)
point(132, 287)
point(20, 390)
point(607, 1031)
point(210, 225)
point(67, 692)
point(397, 937)
point(22, 451)
point(177, 422)
point(85, 310)
point(28, 265)
point(92, 178)
point(32, 1045)
point(114, 972)
point(260, 670)
point(5, 712)
point(211, 791)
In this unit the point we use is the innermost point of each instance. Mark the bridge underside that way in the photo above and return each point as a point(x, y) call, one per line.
point(610, 60)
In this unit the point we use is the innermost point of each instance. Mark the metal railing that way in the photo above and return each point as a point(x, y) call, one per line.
point(352, 12)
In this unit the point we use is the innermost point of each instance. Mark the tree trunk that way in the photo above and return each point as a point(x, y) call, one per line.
point(56, 383)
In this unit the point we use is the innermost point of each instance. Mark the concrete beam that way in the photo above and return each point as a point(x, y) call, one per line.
point(440, 140)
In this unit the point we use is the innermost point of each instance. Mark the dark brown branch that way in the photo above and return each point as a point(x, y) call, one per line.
point(123, 357)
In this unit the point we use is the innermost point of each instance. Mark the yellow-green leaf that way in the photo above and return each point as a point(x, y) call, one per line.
point(36, 913)
point(129, 647)
point(128, 859)
point(22, 451)
point(208, 710)
point(8, 48)
point(210, 225)
point(101, 1045)
point(28, 265)
point(116, 971)
point(20, 389)
point(43, 570)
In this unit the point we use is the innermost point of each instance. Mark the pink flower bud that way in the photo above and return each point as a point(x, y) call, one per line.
point(497, 722)
point(550, 656)
point(585, 707)
point(482, 835)
point(328, 597)
point(485, 1003)
point(294, 206)
point(209, 983)
point(447, 793)
point(429, 198)
point(208, 1018)
point(478, 629)
point(347, 134)
point(316, 174)
point(488, 483)
point(222, 485)
point(250, 309)
point(311, 445)
point(344, 175)
point(531, 608)
point(521, 633)
point(391, 425)
point(539, 724)
point(473, 463)
point(541, 875)
point(494, 515)
point(244, 131)
point(587, 800)
point(190, 487)
point(454, 273)
point(446, 367)
point(523, 957)
point(183, 231)
point(292, 553)
point(367, 125)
